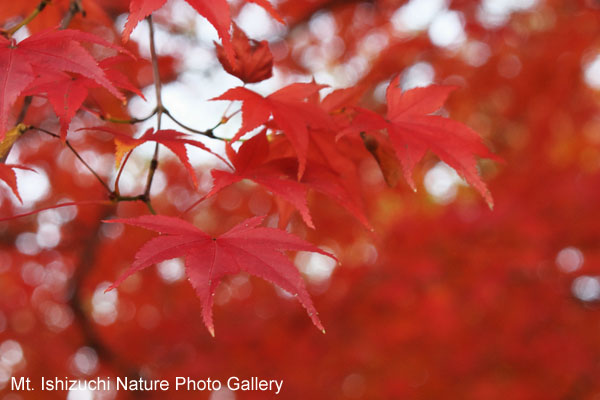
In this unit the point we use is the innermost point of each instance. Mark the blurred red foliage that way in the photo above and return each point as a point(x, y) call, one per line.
point(444, 299)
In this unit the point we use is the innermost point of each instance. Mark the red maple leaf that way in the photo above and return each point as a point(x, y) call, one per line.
point(171, 139)
point(253, 59)
point(67, 93)
point(7, 174)
point(246, 247)
point(215, 11)
point(43, 54)
point(291, 113)
point(249, 163)
point(412, 132)
point(279, 177)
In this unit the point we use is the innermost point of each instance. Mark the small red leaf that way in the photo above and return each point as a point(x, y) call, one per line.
point(253, 60)
point(7, 174)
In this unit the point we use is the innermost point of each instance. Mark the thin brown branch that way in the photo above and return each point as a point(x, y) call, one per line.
point(208, 133)
point(130, 121)
point(74, 8)
point(40, 7)
point(23, 112)
point(116, 191)
point(76, 153)
point(159, 113)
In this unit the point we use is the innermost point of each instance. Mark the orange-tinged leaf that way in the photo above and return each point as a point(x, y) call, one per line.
point(11, 137)
point(172, 139)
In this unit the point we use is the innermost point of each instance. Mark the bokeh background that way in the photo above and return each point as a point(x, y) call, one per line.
point(446, 299)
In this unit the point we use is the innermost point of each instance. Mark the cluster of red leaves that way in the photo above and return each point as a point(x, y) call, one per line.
point(444, 302)
point(41, 63)
point(297, 151)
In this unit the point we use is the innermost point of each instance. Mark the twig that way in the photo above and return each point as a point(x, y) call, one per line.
point(74, 8)
point(102, 182)
point(130, 121)
point(208, 133)
point(121, 171)
point(23, 112)
point(160, 109)
point(40, 7)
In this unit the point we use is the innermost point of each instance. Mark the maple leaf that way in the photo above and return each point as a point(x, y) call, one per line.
point(67, 93)
point(412, 132)
point(215, 11)
point(7, 174)
point(253, 59)
point(43, 54)
point(171, 139)
point(246, 247)
point(249, 163)
point(277, 175)
point(291, 113)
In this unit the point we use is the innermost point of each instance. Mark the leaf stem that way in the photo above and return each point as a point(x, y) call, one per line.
point(23, 112)
point(208, 133)
point(156, 73)
point(130, 121)
point(76, 153)
point(121, 171)
point(74, 8)
point(159, 112)
point(40, 7)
